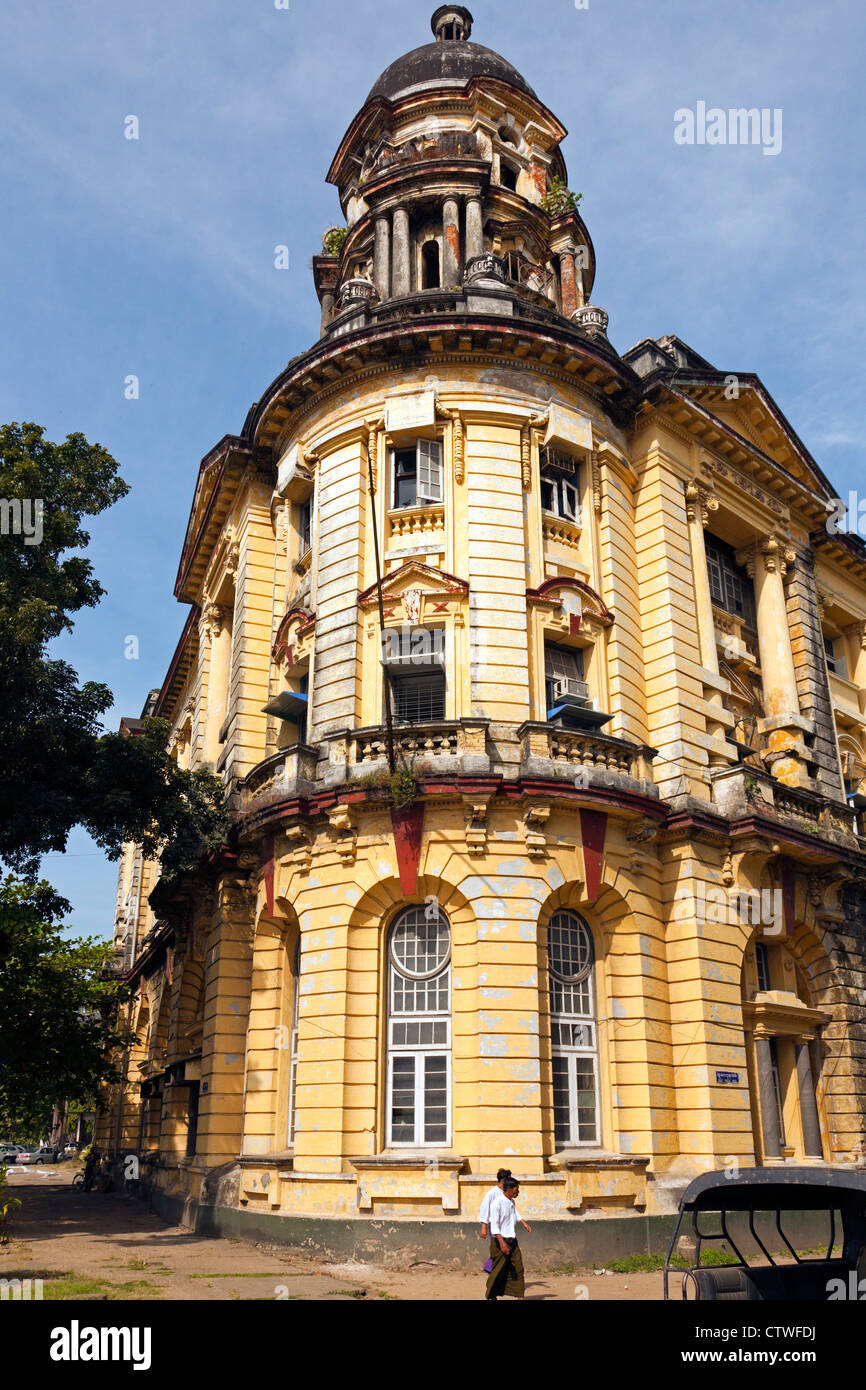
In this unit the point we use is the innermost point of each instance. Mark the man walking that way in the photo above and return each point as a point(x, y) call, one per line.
point(506, 1276)
point(484, 1213)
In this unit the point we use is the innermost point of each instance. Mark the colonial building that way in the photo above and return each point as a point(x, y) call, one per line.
point(537, 681)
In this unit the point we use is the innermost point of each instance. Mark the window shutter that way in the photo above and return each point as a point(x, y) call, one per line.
point(430, 470)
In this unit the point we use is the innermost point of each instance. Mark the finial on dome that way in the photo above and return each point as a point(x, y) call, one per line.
point(451, 22)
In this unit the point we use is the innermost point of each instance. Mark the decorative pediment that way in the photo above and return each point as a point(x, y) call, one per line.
point(295, 637)
point(415, 593)
point(737, 410)
point(570, 604)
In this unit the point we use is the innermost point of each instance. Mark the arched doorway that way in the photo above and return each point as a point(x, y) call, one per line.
point(783, 1053)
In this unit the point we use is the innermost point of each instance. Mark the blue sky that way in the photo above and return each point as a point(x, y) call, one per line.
point(155, 257)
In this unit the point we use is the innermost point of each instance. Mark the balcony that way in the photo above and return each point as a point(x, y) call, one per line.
point(410, 522)
point(596, 760)
point(457, 747)
point(745, 791)
point(560, 530)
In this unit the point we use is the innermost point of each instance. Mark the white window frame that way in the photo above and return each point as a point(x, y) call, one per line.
point(428, 473)
point(566, 497)
point(420, 1052)
point(570, 1052)
point(293, 1040)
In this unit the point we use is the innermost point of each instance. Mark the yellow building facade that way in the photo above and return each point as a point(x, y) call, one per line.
point(604, 925)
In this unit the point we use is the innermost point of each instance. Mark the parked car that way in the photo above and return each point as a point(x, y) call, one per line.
point(10, 1153)
point(41, 1155)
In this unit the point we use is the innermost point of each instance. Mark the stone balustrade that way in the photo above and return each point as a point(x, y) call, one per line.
point(415, 521)
point(549, 749)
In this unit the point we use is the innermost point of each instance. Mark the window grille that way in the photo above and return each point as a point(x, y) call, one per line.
point(418, 699)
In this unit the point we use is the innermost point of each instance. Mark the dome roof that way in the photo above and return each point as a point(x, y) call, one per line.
point(451, 64)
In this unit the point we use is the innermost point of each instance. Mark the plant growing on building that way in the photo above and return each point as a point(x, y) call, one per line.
point(334, 240)
point(560, 200)
point(400, 787)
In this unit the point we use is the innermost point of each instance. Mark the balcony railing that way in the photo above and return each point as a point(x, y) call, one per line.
point(601, 756)
point(748, 790)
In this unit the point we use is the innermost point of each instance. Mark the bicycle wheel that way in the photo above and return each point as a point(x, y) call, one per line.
point(78, 1182)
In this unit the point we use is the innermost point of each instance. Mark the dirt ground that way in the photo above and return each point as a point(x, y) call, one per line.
point(102, 1245)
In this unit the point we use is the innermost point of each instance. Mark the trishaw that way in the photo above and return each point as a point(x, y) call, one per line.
point(839, 1272)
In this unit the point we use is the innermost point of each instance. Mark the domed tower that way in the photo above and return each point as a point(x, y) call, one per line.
point(455, 193)
point(491, 643)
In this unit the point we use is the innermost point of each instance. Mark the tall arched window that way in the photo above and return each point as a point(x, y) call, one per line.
point(293, 1038)
point(419, 1028)
point(573, 1030)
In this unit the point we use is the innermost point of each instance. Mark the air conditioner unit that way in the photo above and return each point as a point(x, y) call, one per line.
point(567, 690)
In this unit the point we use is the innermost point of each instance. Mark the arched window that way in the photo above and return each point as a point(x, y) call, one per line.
point(430, 276)
point(293, 1038)
point(573, 1030)
point(419, 1028)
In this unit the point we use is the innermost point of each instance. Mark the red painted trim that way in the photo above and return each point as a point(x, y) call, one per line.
point(549, 584)
point(307, 620)
point(593, 832)
point(408, 827)
point(428, 571)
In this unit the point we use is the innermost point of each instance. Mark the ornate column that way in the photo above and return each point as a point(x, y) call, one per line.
point(568, 283)
point(700, 503)
point(400, 276)
point(856, 634)
point(450, 243)
point(767, 562)
point(219, 635)
point(327, 309)
point(474, 228)
point(382, 257)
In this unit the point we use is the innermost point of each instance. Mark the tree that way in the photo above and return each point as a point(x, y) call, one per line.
point(56, 1015)
point(59, 768)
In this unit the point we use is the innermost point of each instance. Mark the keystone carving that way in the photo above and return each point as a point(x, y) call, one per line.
point(475, 808)
point(345, 833)
point(300, 844)
point(535, 820)
point(645, 831)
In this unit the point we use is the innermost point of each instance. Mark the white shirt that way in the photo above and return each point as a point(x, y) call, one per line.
point(503, 1215)
point(486, 1202)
